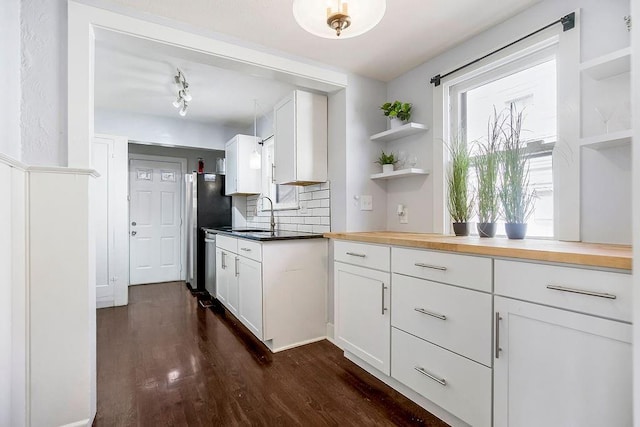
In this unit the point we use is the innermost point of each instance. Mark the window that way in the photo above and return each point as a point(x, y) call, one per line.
point(283, 196)
point(530, 85)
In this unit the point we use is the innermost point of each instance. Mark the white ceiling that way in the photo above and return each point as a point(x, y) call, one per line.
point(410, 33)
point(136, 75)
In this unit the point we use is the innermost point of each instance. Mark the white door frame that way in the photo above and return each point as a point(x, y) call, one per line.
point(83, 21)
point(183, 207)
point(120, 227)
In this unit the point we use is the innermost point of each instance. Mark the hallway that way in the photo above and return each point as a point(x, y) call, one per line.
point(163, 360)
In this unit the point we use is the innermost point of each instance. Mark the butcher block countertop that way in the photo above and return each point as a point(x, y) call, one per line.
point(587, 254)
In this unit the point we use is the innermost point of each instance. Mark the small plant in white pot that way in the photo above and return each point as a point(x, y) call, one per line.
point(518, 200)
point(460, 199)
point(387, 161)
point(398, 112)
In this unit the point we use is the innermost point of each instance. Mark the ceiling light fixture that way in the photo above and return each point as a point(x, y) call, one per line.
point(338, 18)
point(183, 93)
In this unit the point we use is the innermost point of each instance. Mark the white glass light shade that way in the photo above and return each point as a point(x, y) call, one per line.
point(255, 160)
point(183, 110)
point(312, 16)
point(187, 96)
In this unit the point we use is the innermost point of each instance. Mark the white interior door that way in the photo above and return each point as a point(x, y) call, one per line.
point(110, 213)
point(154, 221)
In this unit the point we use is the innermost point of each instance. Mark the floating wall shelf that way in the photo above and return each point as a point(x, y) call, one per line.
point(400, 173)
point(609, 65)
point(609, 140)
point(410, 128)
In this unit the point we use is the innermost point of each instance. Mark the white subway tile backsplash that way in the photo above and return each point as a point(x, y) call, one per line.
point(305, 228)
point(322, 212)
point(313, 215)
point(323, 194)
point(321, 229)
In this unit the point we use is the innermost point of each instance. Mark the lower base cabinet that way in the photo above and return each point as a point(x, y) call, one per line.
point(363, 324)
point(455, 383)
point(250, 293)
point(554, 367)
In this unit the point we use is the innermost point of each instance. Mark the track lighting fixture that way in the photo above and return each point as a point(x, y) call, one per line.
point(183, 93)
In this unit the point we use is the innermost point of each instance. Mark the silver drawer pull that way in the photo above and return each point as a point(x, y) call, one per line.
point(581, 292)
point(428, 313)
point(433, 267)
point(356, 254)
point(430, 376)
point(245, 249)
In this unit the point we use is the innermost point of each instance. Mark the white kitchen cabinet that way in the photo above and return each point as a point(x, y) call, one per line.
point(240, 178)
point(553, 367)
point(250, 293)
point(277, 289)
point(227, 279)
point(300, 129)
point(363, 320)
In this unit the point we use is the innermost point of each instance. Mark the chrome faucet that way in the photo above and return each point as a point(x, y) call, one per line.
point(273, 220)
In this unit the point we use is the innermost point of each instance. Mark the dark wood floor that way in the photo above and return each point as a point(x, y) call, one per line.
point(163, 360)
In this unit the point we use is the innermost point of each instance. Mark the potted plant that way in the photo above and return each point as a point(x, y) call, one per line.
point(518, 200)
point(460, 202)
point(487, 164)
point(387, 161)
point(398, 112)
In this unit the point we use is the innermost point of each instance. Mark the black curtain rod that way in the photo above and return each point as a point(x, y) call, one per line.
point(568, 22)
point(266, 139)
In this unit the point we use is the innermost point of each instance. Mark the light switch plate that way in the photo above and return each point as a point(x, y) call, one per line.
point(404, 219)
point(366, 203)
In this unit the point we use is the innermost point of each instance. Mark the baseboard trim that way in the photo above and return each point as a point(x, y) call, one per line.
point(331, 335)
point(85, 422)
point(436, 410)
point(105, 303)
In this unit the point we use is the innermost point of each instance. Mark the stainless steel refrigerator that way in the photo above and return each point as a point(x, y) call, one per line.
point(207, 207)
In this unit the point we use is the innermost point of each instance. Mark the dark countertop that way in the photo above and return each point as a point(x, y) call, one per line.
point(266, 235)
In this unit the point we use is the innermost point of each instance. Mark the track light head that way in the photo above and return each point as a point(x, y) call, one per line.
point(183, 110)
point(186, 96)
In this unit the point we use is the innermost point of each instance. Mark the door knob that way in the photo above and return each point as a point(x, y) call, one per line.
point(133, 233)
point(134, 223)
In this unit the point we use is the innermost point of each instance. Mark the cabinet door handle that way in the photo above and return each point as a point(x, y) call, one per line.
point(581, 292)
point(356, 254)
point(236, 266)
point(273, 173)
point(222, 258)
point(428, 313)
point(433, 267)
point(497, 339)
point(429, 375)
point(383, 307)
point(245, 249)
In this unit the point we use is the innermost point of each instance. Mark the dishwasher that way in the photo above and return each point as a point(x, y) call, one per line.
point(209, 266)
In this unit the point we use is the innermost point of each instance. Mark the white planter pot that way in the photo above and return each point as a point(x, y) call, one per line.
point(387, 168)
point(395, 123)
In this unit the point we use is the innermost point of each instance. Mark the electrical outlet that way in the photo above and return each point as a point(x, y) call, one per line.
point(366, 203)
point(404, 219)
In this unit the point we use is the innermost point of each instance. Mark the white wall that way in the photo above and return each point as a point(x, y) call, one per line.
point(603, 30)
point(10, 78)
point(43, 24)
point(635, 100)
point(363, 99)
point(177, 131)
point(5, 295)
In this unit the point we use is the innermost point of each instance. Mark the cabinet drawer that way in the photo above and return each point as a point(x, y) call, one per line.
point(250, 249)
point(227, 243)
point(362, 254)
point(457, 384)
point(462, 270)
point(451, 317)
point(600, 293)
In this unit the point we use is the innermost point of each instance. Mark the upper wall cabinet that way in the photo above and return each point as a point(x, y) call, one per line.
point(241, 179)
point(300, 122)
